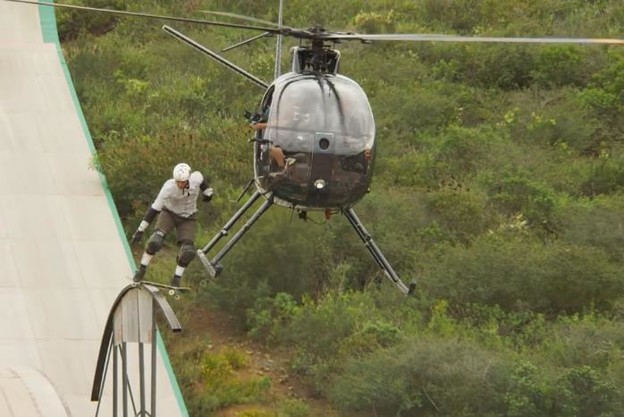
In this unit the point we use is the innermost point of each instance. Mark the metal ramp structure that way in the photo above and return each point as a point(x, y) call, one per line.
point(64, 257)
point(132, 322)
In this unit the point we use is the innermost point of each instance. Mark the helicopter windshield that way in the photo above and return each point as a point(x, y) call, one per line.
point(317, 148)
point(333, 107)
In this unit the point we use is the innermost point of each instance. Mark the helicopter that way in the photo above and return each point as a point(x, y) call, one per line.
point(314, 144)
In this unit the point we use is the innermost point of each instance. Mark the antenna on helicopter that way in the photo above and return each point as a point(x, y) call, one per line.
point(278, 47)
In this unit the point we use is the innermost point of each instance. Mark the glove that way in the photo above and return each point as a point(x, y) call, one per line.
point(137, 236)
point(207, 194)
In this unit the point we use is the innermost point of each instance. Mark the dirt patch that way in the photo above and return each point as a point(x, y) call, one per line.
point(216, 331)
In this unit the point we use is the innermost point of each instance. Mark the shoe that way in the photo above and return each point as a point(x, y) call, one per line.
point(175, 281)
point(139, 274)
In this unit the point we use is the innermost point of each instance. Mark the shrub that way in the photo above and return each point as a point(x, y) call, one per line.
point(584, 392)
point(461, 213)
point(74, 23)
point(269, 314)
point(527, 393)
point(518, 272)
point(293, 408)
point(320, 328)
point(369, 337)
point(605, 177)
point(422, 377)
point(515, 191)
point(222, 387)
point(559, 65)
point(594, 222)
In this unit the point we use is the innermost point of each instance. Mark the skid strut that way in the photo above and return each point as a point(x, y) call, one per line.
point(213, 265)
point(376, 252)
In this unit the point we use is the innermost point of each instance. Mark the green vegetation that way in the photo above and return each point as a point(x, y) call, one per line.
point(499, 187)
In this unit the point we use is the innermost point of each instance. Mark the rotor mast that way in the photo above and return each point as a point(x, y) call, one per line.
point(319, 57)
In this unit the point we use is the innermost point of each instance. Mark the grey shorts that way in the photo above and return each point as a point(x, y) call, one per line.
point(185, 226)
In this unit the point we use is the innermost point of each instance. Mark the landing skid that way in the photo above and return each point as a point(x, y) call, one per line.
point(375, 252)
point(214, 268)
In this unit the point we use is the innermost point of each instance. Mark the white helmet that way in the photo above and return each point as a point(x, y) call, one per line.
point(182, 172)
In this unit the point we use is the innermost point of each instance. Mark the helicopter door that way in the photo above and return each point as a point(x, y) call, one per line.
point(323, 161)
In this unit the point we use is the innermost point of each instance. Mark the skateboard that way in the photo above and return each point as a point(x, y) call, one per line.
point(174, 291)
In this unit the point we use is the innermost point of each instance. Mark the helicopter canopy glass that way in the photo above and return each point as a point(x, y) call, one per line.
point(337, 108)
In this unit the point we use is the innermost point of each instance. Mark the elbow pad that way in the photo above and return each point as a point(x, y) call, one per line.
point(150, 215)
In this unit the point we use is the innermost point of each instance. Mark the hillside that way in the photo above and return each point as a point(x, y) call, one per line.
point(498, 188)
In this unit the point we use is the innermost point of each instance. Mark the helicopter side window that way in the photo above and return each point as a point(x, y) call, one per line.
point(263, 115)
point(265, 157)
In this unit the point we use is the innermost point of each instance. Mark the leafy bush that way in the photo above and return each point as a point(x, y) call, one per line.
point(222, 387)
point(584, 392)
point(594, 222)
point(516, 273)
point(269, 314)
point(463, 214)
point(559, 65)
point(527, 394)
point(321, 328)
point(590, 340)
point(294, 408)
point(606, 176)
point(423, 377)
point(517, 192)
point(73, 23)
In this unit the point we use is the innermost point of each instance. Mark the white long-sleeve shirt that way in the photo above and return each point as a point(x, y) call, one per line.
point(182, 202)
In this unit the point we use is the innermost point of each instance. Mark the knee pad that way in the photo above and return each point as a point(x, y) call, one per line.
point(186, 253)
point(155, 242)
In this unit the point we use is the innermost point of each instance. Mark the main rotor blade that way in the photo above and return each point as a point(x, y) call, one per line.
point(215, 56)
point(242, 17)
point(246, 41)
point(477, 39)
point(323, 35)
point(150, 16)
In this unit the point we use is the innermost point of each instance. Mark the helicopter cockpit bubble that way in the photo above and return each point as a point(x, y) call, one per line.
point(308, 105)
point(325, 129)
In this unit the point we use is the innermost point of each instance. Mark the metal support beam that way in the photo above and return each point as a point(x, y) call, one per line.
point(127, 323)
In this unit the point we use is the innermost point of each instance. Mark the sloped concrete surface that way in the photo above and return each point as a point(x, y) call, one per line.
point(63, 256)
